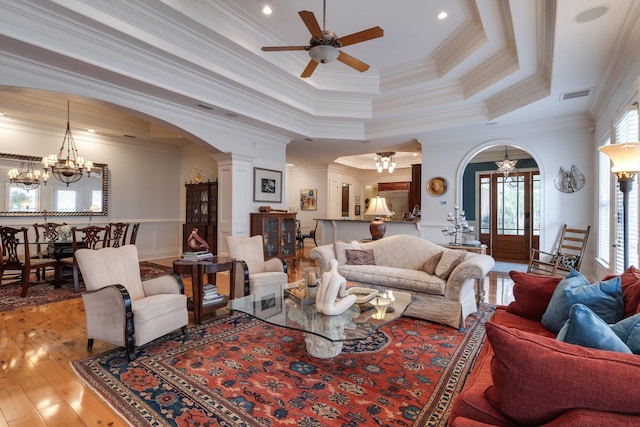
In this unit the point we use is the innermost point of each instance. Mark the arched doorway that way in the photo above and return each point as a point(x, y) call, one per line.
point(505, 208)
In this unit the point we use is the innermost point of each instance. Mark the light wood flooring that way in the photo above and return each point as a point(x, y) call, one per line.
point(37, 384)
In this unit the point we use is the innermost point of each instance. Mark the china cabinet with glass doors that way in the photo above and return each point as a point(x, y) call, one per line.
point(202, 213)
point(279, 234)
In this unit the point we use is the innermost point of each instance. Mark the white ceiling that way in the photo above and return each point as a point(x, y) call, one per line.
point(495, 62)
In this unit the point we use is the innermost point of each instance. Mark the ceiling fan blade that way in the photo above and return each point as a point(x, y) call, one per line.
point(352, 62)
point(361, 36)
point(310, 68)
point(311, 22)
point(280, 48)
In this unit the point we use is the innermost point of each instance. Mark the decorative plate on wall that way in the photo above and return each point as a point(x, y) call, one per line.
point(437, 186)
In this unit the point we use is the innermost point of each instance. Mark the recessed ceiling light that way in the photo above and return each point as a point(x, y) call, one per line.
point(267, 10)
point(591, 14)
point(290, 165)
point(91, 130)
point(442, 15)
point(415, 154)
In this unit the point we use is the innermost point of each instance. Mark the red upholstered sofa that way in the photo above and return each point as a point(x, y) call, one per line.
point(524, 376)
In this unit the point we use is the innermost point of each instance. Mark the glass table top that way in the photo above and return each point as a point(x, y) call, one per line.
point(357, 323)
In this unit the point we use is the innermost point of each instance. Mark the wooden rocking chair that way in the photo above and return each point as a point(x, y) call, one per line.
point(571, 248)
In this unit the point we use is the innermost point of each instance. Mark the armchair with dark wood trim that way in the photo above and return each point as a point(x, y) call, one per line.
point(120, 307)
point(253, 273)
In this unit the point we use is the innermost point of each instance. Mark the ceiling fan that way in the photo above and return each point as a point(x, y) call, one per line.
point(323, 46)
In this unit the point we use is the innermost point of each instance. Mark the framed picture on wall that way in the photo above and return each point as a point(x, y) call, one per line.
point(267, 185)
point(308, 199)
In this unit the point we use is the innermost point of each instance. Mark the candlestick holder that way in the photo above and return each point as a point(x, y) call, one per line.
point(458, 226)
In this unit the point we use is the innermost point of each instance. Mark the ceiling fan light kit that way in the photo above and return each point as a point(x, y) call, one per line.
point(323, 46)
point(323, 53)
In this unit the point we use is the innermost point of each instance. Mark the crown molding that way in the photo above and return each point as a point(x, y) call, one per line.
point(463, 42)
point(499, 65)
point(538, 85)
point(623, 58)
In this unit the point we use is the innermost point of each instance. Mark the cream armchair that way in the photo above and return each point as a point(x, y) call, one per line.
point(253, 273)
point(120, 308)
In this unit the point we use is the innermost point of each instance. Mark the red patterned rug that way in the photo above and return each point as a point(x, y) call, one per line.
point(241, 371)
point(44, 293)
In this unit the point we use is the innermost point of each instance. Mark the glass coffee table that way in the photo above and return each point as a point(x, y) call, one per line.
point(324, 334)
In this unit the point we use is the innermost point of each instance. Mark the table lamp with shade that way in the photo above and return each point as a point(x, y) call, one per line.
point(378, 208)
point(625, 157)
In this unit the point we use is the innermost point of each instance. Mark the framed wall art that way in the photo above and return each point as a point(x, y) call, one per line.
point(308, 199)
point(267, 185)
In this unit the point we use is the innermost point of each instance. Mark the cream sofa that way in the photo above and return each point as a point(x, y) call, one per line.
point(444, 289)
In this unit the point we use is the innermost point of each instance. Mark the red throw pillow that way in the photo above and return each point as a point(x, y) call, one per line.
point(630, 281)
point(536, 379)
point(532, 294)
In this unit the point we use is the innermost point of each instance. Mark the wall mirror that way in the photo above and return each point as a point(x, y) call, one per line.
point(86, 197)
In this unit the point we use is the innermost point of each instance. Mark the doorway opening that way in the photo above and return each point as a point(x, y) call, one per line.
point(504, 210)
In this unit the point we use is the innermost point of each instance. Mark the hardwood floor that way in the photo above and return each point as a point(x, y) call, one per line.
point(37, 384)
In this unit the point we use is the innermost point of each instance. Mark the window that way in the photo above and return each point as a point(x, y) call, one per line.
point(65, 201)
point(21, 200)
point(96, 200)
point(604, 207)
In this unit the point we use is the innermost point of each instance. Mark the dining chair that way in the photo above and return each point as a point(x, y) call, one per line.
point(134, 233)
point(15, 260)
point(91, 237)
point(45, 233)
point(118, 234)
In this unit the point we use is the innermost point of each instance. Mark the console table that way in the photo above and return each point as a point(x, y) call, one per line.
point(478, 249)
point(197, 269)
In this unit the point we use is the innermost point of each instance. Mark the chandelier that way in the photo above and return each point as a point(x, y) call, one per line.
point(385, 161)
point(69, 169)
point(507, 166)
point(27, 177)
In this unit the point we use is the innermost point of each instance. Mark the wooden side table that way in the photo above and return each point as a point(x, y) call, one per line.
point(197, 269)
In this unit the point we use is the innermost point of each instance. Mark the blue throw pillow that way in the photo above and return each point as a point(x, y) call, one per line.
point(629, 332)
point(587, 329)
point(604, 298)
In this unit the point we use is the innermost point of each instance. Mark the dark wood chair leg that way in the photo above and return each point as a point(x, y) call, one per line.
point(184, 330)
point(76, 282)
point(89, 344)
point(25, 284)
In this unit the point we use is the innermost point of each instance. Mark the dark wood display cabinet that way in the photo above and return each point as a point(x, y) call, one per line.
point(202, 213)
point(279, 233)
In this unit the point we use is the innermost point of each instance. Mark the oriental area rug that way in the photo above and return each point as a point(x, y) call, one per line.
point(45, 293)
point(236, 370)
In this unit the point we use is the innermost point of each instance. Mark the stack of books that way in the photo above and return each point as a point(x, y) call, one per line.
point(211, 295)
point(197, 256)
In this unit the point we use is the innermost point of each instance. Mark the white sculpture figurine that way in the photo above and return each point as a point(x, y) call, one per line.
point(332, 286)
